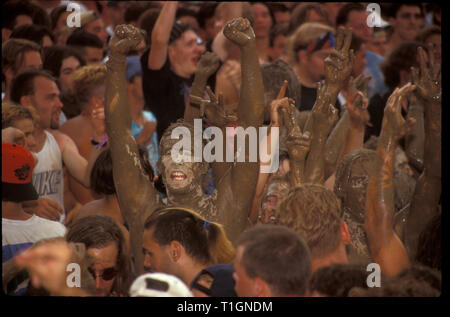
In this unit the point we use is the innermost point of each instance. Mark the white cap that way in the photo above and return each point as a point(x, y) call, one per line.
point(159, 285)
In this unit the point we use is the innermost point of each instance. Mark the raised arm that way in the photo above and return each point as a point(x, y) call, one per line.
point(415, 140)
point(243, 176)
point(136, 194)
point(161, 35)
point(386, 248)
point(338, 67)
point(324, 116)
point(428, 188)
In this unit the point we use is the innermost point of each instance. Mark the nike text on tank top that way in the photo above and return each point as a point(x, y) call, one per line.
point(48, 178)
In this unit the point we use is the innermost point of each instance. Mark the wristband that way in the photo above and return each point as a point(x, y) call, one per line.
point(100, 144)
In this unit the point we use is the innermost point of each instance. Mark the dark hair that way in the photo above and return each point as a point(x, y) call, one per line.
point(356, 43)
point(133, 11)
point(13, 51)
point(345, 10)
point(390, 10)
point(206, 11)
point(147, 21)
point(300, 14)
point(427, 31)
point(83, 39)
point(279, 256)
point(40, 16)
point(23, 84)
point(56, 13)
point(402, 58)
point(102, 181)
point(53, 56)
point(337, 280)
point(415, 281)
point(177, 31)
point(12, 9)
point(182, 12)
point(97, 231)
point(204, 241)
point(32, 32)
point(274, 74)
point(429, 250)
point(277, 29)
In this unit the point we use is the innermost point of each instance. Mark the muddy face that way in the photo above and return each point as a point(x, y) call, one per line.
point(356, 187)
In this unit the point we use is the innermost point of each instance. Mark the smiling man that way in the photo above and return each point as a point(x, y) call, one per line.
point(169, 66)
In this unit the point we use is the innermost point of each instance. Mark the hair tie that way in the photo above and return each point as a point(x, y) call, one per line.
point(206, 223)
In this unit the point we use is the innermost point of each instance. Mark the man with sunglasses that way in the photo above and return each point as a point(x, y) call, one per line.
point(106, 247)
point(308, 47)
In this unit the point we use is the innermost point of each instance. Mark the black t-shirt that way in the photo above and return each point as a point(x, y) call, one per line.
point(164, 93)
point(308, 99)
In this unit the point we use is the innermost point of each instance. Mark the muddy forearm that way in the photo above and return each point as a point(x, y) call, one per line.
point(429, 185)
point(415, 140)
point(334, 144)
point(380, 197)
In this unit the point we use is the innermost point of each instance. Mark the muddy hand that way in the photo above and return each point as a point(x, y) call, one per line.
point(239, 31)
point(126, 37)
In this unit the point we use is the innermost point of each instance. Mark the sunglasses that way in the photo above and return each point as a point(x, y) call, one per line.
point(107, 274)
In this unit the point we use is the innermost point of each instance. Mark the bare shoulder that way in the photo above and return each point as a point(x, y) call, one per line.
point(62, 139)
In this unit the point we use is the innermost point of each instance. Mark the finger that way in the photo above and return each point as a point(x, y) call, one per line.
point(340, 38)
point(55, 206)
point(336, 55)
point(347, 40)
point(211, 95)
point(415, 74)
point(282, 92)
point(422, 62)
point(352, 57)
point(430, 54)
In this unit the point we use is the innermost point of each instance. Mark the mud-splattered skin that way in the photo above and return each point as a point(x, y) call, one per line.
point(338, 67)
point(276, 191)
point(137, 196)
point(429, 185)
point(385, 246)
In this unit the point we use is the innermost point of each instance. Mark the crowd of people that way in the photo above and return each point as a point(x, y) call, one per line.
point(90, 176)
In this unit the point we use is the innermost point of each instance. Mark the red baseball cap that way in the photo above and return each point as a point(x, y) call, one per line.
point(17, 169)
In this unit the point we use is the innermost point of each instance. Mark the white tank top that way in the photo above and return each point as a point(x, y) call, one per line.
point(48, 178)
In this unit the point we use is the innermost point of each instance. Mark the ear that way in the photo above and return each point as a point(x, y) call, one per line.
point(261, 289)
point(25, 101)
point(9, 74)
point(345, 234)
point(175, 251)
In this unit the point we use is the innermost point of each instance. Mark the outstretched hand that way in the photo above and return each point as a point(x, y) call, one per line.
point(126, 37)
point(339, 64)
point(428, 81)
point(357, 101)
point(239, 31)
point(324, 114)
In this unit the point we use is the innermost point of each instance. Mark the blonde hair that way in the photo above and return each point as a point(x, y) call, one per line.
point(12, 112)
point(86, 80)
point(303, 35)
point(315, 213)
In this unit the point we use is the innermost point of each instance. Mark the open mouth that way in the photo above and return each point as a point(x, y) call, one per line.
point(178, 176)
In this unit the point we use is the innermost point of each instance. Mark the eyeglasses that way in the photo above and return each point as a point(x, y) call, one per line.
point(107, 274)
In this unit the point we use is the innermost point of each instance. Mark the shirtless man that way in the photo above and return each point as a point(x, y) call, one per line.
point(137, 196)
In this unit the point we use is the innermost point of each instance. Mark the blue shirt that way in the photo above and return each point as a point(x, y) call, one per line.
point(152, 146)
